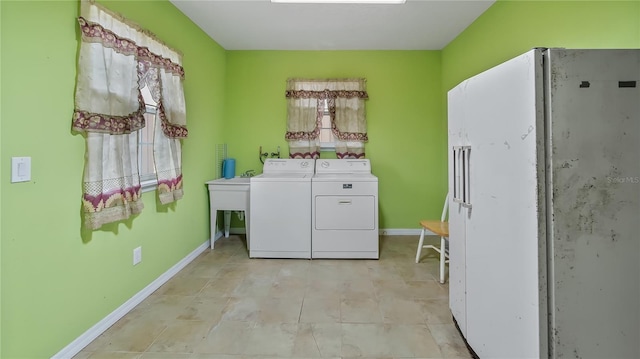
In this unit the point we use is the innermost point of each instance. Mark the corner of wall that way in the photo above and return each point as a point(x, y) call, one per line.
point(1, 179)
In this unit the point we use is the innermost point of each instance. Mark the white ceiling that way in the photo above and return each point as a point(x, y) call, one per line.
point(262, 25)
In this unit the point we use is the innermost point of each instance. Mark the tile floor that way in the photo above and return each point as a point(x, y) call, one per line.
point(227, 306)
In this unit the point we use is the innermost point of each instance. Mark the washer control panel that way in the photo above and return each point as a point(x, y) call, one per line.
point(343, 166)
point(277, 165)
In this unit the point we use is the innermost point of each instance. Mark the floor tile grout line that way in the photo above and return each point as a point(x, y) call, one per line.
point(234, 258)
point(155, 339)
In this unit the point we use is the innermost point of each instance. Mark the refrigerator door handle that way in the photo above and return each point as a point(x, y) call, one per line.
point(466, 178)
point(457, 151)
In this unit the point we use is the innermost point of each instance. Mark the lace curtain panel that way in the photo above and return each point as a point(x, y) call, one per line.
point(302, 127)
point(345, 99)
point(116, 59)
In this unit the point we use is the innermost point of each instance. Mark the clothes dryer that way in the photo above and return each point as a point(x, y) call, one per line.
point(344, 210)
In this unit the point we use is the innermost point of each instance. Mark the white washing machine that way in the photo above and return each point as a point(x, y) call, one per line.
point(344, 212)
point(280, 202)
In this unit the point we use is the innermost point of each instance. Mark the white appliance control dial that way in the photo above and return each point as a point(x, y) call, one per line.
point(324, 164)
point(304, 164)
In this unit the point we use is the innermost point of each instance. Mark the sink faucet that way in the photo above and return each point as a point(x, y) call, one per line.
point(248, 173)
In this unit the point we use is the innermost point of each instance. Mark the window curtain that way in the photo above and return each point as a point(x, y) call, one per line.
point(116, 58)
point(348, 121)
point(345, 98)
point(304, 111)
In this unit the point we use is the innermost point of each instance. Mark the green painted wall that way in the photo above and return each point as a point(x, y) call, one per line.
point(509, 28)
point(403, 115)
point(1, 177)
point(58, 280)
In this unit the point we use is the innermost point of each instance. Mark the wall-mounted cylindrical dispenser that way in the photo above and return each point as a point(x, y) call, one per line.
point(229, 168)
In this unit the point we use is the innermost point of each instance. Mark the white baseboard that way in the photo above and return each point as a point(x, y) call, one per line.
point(400, 232)
point(237, 230)
point(219, 234)
point(383, 232)
point(90, 335)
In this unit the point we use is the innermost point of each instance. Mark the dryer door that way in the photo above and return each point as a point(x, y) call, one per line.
point(345, 212)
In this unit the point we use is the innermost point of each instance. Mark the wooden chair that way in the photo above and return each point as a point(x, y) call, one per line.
point(440, 228)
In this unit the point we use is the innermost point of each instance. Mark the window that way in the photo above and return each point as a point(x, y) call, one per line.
point(313, 125)
point(148, 178)
point(116, 58)
point(327, 140)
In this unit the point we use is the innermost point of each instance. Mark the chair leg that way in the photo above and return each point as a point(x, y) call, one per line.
point(442, 258)
point(420, 242)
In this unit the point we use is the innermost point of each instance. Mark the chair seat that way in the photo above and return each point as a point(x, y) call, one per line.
point(437, 227)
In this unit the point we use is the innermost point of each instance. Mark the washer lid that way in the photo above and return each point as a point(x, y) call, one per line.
point(230, 181)
point(282, 177)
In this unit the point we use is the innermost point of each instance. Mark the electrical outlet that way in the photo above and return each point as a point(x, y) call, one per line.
point(137, 255)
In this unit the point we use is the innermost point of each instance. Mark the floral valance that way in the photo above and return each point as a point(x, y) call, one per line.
point(142, 57)
point(326, 94)
point(84, 121)
point(92, 32)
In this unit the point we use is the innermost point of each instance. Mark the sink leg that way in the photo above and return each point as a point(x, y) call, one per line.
point(213, 218)
point(246, 226)
point(227, 223)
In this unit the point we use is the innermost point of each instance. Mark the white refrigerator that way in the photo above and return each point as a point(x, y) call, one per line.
point(544, 181)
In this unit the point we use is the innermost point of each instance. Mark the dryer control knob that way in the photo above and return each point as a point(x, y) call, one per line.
point(324, 164)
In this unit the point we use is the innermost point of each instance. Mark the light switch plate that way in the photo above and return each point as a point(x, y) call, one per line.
point(137, 255)
point(20, 169)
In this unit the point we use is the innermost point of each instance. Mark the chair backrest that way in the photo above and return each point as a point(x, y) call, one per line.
point(445, 208)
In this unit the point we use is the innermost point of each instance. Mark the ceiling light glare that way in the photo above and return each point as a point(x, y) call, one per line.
point(340, 1)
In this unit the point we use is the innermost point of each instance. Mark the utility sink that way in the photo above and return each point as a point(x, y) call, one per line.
point(228, 195)
point(234, 180)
